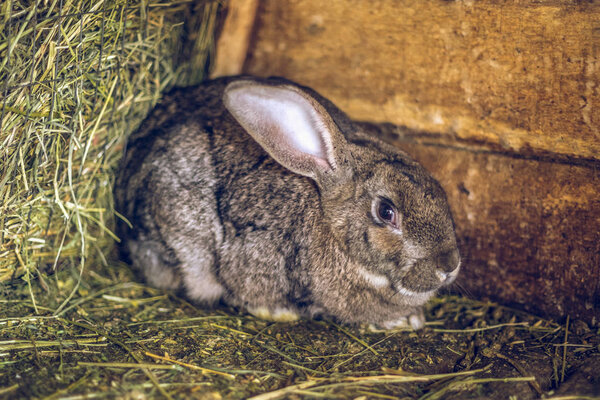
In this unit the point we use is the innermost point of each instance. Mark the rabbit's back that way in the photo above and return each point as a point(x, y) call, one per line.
point(209, 205)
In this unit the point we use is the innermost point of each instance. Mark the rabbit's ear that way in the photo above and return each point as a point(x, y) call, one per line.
point(291, 126)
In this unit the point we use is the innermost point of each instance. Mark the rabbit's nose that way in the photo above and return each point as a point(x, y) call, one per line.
point(448, 261)
point(447, 278)
point(448, 266)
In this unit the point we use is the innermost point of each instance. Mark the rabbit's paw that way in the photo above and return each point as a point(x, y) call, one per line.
point(414, 321)
point(279, 314)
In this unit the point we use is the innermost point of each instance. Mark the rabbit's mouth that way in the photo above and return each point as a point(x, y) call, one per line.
point(418, 297)
point(380, 281)
point(428, 274)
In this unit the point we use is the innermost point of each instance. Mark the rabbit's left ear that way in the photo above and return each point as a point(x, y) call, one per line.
point(291, 126)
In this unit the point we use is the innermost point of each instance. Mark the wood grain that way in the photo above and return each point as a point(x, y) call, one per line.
point(232, 45)
point(522, 74)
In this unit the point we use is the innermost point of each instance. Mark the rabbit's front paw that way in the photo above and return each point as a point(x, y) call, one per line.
point(279, 314)
point(415, 321)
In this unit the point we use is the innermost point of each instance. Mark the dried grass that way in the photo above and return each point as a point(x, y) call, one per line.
point(75, 78)
point(127, 340)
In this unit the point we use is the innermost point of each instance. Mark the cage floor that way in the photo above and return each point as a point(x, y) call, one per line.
point(126, 340)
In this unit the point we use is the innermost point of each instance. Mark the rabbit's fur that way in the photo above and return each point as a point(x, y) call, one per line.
point(281, 216)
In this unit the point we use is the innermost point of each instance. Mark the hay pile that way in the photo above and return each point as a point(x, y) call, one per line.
point(129, 341)
point(76, 76)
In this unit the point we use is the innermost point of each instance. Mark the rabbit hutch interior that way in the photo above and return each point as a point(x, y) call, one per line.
point(496, 101)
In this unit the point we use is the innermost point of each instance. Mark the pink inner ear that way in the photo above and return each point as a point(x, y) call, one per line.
point(295, 126)
point(286, 123)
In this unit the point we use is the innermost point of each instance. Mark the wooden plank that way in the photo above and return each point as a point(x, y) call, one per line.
point(521, 74)
point(232, 45)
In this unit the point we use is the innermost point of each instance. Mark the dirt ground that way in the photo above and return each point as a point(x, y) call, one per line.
point(116, 338)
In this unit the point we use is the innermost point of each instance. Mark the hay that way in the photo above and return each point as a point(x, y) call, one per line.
point(75, 78)
point(126, 340)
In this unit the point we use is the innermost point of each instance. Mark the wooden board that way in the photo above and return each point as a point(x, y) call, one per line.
point(234, 37)
point(522, 74)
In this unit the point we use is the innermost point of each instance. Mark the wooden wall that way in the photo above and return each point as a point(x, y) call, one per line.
point(499, 99)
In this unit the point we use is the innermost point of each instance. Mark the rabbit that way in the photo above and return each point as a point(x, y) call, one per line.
point(262, 194)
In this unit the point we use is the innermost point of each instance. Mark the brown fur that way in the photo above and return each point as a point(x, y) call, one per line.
point(215, 214)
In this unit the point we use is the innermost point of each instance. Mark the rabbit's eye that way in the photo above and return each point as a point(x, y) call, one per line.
point(386, 212)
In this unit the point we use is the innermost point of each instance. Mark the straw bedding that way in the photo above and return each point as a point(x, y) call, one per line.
point(75, 78)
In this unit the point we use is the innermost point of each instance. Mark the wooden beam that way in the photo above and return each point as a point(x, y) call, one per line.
point(522, 74)
point(232, 45)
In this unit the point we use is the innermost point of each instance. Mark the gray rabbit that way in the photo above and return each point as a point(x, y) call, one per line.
point(262, 194)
